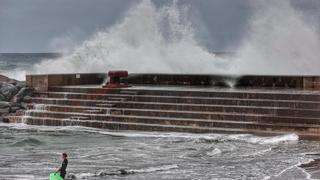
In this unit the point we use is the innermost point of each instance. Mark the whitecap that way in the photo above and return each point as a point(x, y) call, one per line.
point(154, 169)
point(214, 152)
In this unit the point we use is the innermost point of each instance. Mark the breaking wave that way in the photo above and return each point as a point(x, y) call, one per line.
point(296, 166)
point(279, 39)
point(197, 138)
point(27, 142)
point(123, 172)
point(210, 137)
point(148, 39)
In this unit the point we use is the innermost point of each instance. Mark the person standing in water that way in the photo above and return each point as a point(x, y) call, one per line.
point(64, 165)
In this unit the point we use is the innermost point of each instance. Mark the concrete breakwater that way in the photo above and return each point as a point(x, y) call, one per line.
point(281, 105)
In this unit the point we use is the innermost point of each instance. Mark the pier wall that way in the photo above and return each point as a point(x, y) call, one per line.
point(297, 82)
point(42, 82)
point(267, 105)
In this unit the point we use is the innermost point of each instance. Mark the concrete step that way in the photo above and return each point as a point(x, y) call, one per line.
point(78, 117)
point(129, 92)
point(144, 127)
point(174, 106)
point(105, 105)
point(185, 100)
point(89, 111)
point(47, 121)
point(310, 128)
point(196, 110)
point(203, 92)
point(241, 116)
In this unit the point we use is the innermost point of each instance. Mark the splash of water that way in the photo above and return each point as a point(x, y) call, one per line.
point(150, 39)
point(280, 40)
point(209, 137)
point(28, 112)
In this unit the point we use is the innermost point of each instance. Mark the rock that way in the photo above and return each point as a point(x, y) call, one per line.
point(8, 90)
point(21, 84)
point(7, 80)
point(4, 108)
point(13, 82)
point(4, 111)
point(25, 91)
point(4, 104)
point(12, 92)
point(14, 109)
point(4, 78)
point(14, 104)
point(23, 105)
point(2, 117)
point(2, 98)
point(27, 99)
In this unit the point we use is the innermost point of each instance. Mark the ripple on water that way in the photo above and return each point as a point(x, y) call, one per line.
point(97, 154)
point(27, 142)
point(123, 172)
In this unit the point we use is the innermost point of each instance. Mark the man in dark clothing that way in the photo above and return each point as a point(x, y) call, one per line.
point(64, 165)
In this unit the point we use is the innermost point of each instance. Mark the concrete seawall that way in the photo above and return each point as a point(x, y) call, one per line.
point(266, 105)
point(41, 82)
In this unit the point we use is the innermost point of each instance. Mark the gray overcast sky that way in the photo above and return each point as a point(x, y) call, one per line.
point(33, 25)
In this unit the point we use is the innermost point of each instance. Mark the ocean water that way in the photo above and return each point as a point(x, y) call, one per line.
point(32, 152)
point(11, 61)
point(17, 65)
point(164, 40)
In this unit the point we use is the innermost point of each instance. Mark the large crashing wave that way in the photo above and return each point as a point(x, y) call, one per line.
point(148, 39)
point(279, 39)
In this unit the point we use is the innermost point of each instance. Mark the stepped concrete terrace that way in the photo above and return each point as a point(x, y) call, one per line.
point(263, 105)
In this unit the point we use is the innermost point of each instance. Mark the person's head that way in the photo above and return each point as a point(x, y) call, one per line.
point(64, 155)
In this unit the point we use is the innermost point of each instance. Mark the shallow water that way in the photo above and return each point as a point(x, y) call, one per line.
point(32, 152)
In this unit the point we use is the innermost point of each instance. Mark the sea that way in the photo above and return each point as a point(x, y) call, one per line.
point(33, 152)
point(11, 61)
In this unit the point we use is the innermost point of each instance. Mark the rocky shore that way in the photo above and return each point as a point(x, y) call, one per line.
point(13, 95)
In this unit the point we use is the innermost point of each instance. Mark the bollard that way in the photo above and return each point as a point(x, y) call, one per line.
point(115, 79)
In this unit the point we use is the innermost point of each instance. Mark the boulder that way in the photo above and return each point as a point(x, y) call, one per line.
point(4, 108)
point(4, 78)
point(14, 109)
point(25, 91)
point(8, 90)
point(27, 99)
point(5, 111)
point(4, 104)
point(23, 105)
point(20, 84)
point(7, 79)
point(2, 98)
